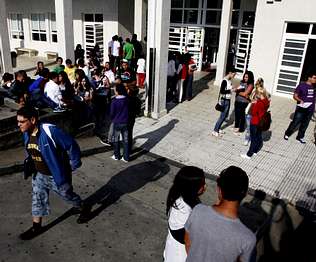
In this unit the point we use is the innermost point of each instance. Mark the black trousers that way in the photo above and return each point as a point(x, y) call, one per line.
point(301, 119)
point(130, 127)
point(240, 115)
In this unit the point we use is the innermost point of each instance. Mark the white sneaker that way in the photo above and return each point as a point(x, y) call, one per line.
point(246, 143)
point(214, 133)
point(114, 158)
point(255, 154)
point(125, 161)
point(222, 132)
point(245, 156)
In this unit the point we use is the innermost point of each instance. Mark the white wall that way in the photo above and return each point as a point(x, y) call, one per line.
point(125, 18)
point(109, 9)
point(268, 33)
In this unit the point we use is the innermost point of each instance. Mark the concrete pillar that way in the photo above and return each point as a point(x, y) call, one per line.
point(157, 57)
point(65, 30)
point(140, 19)
point(5, 56)
point(223, 40)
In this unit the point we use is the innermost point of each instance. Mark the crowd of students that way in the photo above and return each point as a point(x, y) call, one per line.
point(252, 102)
point(180, 72)
point(86, 88)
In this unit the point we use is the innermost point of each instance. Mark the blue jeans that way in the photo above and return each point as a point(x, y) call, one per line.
point(247, 133)
point(223, 115)
point(41, 184)
point(301, 118)
point(119, 129)
point(256, 140)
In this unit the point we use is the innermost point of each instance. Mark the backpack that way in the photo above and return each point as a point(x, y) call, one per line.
point(265, 122)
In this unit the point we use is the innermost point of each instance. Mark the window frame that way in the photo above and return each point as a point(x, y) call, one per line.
point(20, 31)
point(51, 31)
point(41, 32)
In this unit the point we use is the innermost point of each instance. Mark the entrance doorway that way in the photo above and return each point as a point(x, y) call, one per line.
point(310, 58)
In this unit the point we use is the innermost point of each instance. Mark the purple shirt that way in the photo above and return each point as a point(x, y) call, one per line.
point(119, 110)
point(306, 92)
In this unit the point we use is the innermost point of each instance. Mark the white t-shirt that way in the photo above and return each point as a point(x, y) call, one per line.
point(86, 71)
point(110, 75)
point(52, 91)
point(141, 64)
point(116, 48)
point(175, 251)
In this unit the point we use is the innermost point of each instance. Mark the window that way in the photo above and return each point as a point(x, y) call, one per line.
point(38, 27)
point(93, 18)
point(16, 26)
point(314, 29)
point(191, 4)
point(53, 29)
point(217, 4)
point(176, 3)
point(213, 17)
point(190, 16)
point(248, 19)
point(297, 28)
point(176, 16)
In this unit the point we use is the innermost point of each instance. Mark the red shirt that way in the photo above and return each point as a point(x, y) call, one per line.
point(258, 109)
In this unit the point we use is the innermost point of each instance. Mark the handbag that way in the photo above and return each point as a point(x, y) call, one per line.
point(219, 107)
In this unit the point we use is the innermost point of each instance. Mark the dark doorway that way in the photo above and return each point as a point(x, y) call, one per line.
point(310, 58)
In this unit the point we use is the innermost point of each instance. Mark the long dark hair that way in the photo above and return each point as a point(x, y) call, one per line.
point(186, 184)
point(251, 78)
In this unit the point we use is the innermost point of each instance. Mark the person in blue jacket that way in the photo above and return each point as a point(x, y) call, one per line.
point(54, 155)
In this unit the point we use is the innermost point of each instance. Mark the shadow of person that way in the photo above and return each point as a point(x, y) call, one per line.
point(128, 180)
point(153, 138)
point(275, 234)
point(252, 214)
point(301, 243)
point(230, 121)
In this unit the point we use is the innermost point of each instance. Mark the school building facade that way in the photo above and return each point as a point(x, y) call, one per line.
point(276, 39)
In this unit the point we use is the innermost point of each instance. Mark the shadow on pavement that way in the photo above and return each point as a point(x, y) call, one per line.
point(230, 121)
point(252, 214)
point(129, 180)
point(153, 138)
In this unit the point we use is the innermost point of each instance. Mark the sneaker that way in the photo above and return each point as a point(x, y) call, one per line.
point(255, 154)
point(222, 132)
point(235, 129)
point(31, 233)
point(237, 133)
point(286, 137)
point(214, 133)
point(125, 161)
point(105, 142)
point(246, 143)
point(114, 158)
point(301, 140)
point(245, 156)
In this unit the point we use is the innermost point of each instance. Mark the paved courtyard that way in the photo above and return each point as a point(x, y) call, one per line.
point(285, 169)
